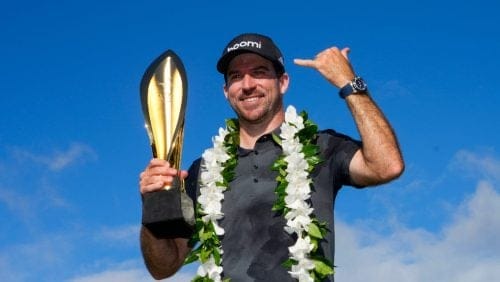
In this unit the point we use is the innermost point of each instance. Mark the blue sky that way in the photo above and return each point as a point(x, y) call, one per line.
point(72, 139)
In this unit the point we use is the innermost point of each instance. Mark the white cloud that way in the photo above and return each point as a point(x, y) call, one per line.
point(394, 88)
point(466, 249)
point(128, 234)
point(25, 191)
point(130, 272)
point(58, 160)
point(482, 165)
point(17, 203)
point(25, 206)
point(35, 260)
point(132, 275)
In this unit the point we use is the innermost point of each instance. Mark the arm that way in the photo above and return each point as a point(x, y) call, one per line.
point(163, 256)
point(379, 160)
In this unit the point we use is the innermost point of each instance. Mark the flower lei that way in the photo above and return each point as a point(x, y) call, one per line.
point(293, 191)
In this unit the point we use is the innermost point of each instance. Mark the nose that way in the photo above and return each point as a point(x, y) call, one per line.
point(248, 82)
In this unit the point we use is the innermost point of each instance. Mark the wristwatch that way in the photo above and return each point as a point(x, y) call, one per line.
point(355, 86)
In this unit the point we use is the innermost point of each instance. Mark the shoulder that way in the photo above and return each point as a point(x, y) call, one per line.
point(331, 139)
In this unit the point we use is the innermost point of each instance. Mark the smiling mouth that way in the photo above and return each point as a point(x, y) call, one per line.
point(250, 99)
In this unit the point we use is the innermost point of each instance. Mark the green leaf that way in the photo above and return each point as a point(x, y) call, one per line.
point(279, 205)
point(232, 124)
point(303, 114)
point(192, 257)
point(289, 262)
point(315, 244)
point(205, 235)
point(204, 255)
point(283, 171)
point(276, 138)
point(198, 279)
point(322, 267)
point(314, 231)
point(314, 160)
point(217, 256)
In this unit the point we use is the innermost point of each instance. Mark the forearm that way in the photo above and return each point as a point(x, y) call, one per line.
point(380, 158)
point(162, 256)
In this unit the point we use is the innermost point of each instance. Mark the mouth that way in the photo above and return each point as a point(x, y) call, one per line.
point(251, 102)
point(251, 98)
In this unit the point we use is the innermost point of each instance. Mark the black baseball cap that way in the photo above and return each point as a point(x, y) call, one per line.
point(251, 43)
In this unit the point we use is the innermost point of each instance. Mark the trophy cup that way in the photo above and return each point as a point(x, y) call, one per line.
point(168, 212)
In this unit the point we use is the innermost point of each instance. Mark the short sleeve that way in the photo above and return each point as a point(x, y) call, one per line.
point(338, 149)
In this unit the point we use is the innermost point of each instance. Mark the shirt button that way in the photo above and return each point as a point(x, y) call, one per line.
point(256, 152)
point(255, 180)
point(255, 166)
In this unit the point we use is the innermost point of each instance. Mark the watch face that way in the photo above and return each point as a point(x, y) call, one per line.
point(359, 84)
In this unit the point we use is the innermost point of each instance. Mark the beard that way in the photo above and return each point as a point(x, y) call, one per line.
point(262, 113)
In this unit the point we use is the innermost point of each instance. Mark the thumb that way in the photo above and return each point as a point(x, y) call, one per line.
point(345, 52)
point(183, 174)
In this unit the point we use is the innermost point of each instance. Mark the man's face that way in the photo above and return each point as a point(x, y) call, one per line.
point(253, 88)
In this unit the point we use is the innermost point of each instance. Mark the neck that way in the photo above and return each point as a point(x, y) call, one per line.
point(250, 132)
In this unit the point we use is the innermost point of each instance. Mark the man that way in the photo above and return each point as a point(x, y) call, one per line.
point(255, 243)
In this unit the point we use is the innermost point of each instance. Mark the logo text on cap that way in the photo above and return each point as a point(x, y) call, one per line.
point(251, 44)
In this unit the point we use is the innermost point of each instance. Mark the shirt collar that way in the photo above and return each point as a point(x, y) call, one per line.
point(264, 138)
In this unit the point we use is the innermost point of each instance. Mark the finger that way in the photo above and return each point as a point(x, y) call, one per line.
point(304, 63)
point(152, 187)
point(345, 52)
point(155, 182)
point(183, 174)
point(158, 162)
point(158, 167)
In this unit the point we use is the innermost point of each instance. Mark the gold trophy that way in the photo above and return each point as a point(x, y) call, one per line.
point(169, 212)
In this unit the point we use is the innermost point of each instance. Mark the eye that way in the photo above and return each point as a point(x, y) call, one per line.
point(234, 76)
point(259, 73)
point(262, 72)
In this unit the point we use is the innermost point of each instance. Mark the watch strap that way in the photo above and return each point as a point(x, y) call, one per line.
point(346, 90)
point(355, 86)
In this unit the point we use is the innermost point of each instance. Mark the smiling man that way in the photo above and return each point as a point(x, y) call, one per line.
point(256, 238)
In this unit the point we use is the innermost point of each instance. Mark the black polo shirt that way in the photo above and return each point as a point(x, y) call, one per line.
point(255, 243)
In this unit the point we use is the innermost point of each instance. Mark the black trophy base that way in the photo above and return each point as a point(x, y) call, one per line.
point(162, 214)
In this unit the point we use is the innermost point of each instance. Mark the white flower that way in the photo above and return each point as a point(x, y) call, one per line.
point(297, 194)
point(296, 163)
point(298, 224)
point(292, 117)
point(298, 178)
point(211, 196)
point(219, 139)
point(291, 146)
point(301, 248)
point(210, 269)
point(300, 252)
point(300, 271)
point(287, 131)
point(210, 177)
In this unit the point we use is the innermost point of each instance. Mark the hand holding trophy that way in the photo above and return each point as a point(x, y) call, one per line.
point(169, 212)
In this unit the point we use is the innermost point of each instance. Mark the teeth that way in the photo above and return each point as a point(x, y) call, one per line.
point(251, 99)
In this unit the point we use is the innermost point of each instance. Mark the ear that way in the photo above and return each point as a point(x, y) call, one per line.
point(224, 88)
point(284, 80)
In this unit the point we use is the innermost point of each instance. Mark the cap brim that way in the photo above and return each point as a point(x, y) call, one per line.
point(224, 61)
